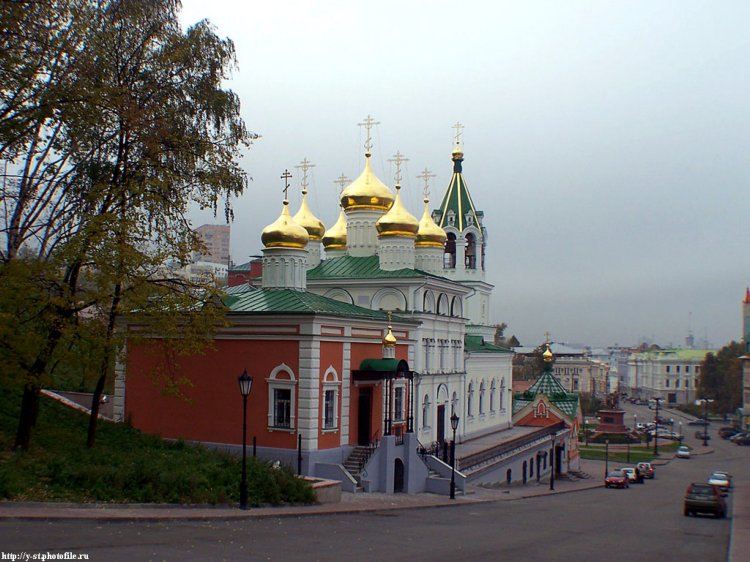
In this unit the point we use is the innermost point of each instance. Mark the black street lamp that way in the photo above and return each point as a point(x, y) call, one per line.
point(606, 457)
point(246, 383)
point(454, 427)
point(657, 399)
point(552, 465)
point(705, 420)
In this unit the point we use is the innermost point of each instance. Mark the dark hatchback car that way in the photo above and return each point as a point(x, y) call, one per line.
point(704, 498)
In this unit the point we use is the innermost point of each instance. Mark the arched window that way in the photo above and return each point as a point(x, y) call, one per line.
point(481, 398)
point(469, 400)
point(330, 399)
point(493, 390)
point(281, 397)
point(426, 412)
point(502, 394)
point(531, 467)
point(449, 257)
point(471, 252)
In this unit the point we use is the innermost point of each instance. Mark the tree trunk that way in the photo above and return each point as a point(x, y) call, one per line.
point(95, 401)
point(29, 412)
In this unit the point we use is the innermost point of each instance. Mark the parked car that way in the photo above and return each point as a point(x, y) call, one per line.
point(683, 452)
point(704, 498)
point(727, 432)
point(616, 479)
point(700, 421)
point(744, 440)
point(734, 438)
point(720, 480)
point(647, 469)
point(629, 471)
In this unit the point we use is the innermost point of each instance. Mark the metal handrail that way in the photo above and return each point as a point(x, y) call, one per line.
point(476, 459)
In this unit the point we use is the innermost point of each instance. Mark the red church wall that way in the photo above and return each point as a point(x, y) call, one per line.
point(213, 409)
point(331, 354)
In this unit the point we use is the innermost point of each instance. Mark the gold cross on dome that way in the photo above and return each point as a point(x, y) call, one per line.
point(458, 128)
point(389, 318)
point(425, 177)
point(546, 337)
point(368, 124)
point(285, 176)
point(305, 165)
point(342, 180)
point(398, 158)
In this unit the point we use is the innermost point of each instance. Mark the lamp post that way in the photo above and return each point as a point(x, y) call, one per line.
point(454, 427)
point(606, 457)
point(681, 437)
point(552, 466)
point(705, 419)
point(246, 383)
point(657, 399)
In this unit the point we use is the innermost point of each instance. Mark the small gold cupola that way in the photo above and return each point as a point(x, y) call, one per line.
point(304, 217)
point(284, 232)
point(548, 356)
point(335, 237)
point(397, 221)
point(429, 233)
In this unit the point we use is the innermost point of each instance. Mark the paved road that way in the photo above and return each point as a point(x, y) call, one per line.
point(643, 523)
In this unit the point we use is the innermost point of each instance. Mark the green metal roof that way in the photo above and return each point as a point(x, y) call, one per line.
point(239, 289)
point(288, 301)
point(548, 385)
point(476, 344)
point(379, 365)
point(457, 199)
point(350, 267)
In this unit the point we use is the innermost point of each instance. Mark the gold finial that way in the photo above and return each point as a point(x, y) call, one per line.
point(458, 128)
point(342, 180)
point(389, 340)
point(285, 176)
point(547, 355)
point(398, 158)
point(368, 124)
point(425, 177)
point(305, 165)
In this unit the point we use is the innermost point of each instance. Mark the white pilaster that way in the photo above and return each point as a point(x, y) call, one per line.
point(308, 404)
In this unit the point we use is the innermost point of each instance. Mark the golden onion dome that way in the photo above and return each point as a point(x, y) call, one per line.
point(389, 340)
point(397, 221)
point(547, 355)
point(284, 232)
point(312, 224)
point(429, 233)
point(335, 237)
point(367, 192)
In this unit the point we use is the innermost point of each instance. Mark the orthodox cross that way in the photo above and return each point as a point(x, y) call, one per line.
point(458, 128)
point(546, 337)
point(304, 166)
point(342, 181)
point(398, 158)
point(368, 124)
point(425, 177)
point(285, 176)
point(389, 318)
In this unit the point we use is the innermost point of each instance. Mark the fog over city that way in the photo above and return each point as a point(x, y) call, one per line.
point(606, 142)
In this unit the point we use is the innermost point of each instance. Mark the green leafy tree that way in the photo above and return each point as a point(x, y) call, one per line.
point(118, 147)
point(721, 378)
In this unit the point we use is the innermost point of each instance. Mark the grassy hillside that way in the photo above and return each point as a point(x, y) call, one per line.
point(125, 465)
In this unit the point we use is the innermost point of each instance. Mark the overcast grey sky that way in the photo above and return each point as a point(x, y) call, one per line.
point(608, 143)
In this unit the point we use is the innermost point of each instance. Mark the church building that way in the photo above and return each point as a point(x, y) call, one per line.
point(363, 341)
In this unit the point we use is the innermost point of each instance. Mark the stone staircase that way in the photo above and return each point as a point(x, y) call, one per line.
point(356, 461)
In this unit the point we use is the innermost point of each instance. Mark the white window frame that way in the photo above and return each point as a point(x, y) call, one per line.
point(398, 413)
point(332, 383)
point(426, 415)
point(275, 383)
